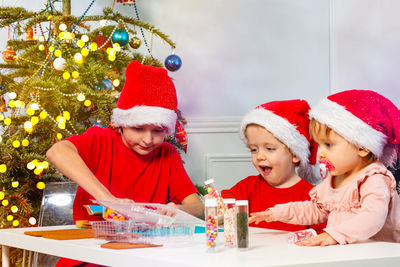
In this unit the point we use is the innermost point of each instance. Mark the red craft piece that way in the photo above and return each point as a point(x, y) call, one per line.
point(181, 136)
point(129, 2)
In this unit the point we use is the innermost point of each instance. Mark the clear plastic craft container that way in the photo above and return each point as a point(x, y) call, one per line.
point(144, 223)
point(134, 232)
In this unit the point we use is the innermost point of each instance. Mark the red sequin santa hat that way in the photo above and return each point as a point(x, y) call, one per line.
point(365, 119)
point(148, 97)
point(288, 121)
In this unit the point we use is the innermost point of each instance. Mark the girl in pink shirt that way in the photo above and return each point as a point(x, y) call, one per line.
point(358, 133)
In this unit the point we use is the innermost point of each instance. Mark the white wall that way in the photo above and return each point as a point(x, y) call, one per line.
point(366, 46)
point(236, 55)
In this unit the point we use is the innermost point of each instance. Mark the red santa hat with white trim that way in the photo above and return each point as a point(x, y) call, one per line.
point(288, 121)
point(148, 97)
point(365, 119)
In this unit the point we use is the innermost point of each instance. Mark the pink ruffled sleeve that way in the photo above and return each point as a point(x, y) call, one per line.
point(374, 195)
point(301, 212)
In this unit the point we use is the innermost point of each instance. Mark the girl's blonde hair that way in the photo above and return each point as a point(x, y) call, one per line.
point(319, 130)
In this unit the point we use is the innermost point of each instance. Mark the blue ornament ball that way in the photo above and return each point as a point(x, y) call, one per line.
point(108, 83)
point(173, 63)
point(99, 86)
point(121, 37)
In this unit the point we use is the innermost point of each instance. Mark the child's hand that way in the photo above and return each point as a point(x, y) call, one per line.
point(258, 217)
point(322, 240)
point(208, 196)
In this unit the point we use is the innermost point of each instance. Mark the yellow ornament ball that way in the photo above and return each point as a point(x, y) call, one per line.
point(40, 185)
point(50, 17)
point(25, 142)
point(59, 136)
point(32, 220)
point(51, 49)
point(16, 143)
point(15, 223)
point(14, 209)
point(80, 43)
point(79, 62)
point(60, 119)
point(85, 38)
point(12, 95)
point(4, 202)
point(81, 97)
point(19, 104)
point(61, 35)
point(30, 111)
point(28, 125)
point(35, 161)
point(57, 53)
point(40, 166)
point(10, 218)
point(30, 166)
point(66, 75)
point(93, 46)
point(2, 195)
point(38, 172)
point(111, 57)
point(43, 115)
point(87, 103)
point(45, 164)
point(117, 47)
point(3, 168)
point(85, 52)
point(34, 106)
point(15, 184)
point(75, 74)
point(66, 115)
point(7, 121)
point(41, 47)
point(34, 120)
point(11, 103)
point(116, 83)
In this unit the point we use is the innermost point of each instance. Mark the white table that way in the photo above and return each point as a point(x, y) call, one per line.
point(267, 248)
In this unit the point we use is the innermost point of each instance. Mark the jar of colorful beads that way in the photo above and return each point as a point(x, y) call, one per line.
point(211, 218)
point(242, 225)
point(229, 222)
point(213, 192)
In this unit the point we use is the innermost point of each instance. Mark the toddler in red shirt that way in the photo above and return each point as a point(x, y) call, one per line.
point(131, 162)
point(277, 135)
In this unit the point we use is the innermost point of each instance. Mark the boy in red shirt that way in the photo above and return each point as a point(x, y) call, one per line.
point(131, 163)
point(277, 136)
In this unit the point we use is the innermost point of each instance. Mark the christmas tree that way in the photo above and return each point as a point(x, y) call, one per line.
point(61, 75)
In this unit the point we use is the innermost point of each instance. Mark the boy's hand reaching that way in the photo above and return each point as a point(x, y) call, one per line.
point(322, 240)
point(258, 217)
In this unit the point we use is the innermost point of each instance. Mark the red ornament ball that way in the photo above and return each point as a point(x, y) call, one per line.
point(9, 55)
point(100, 40)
